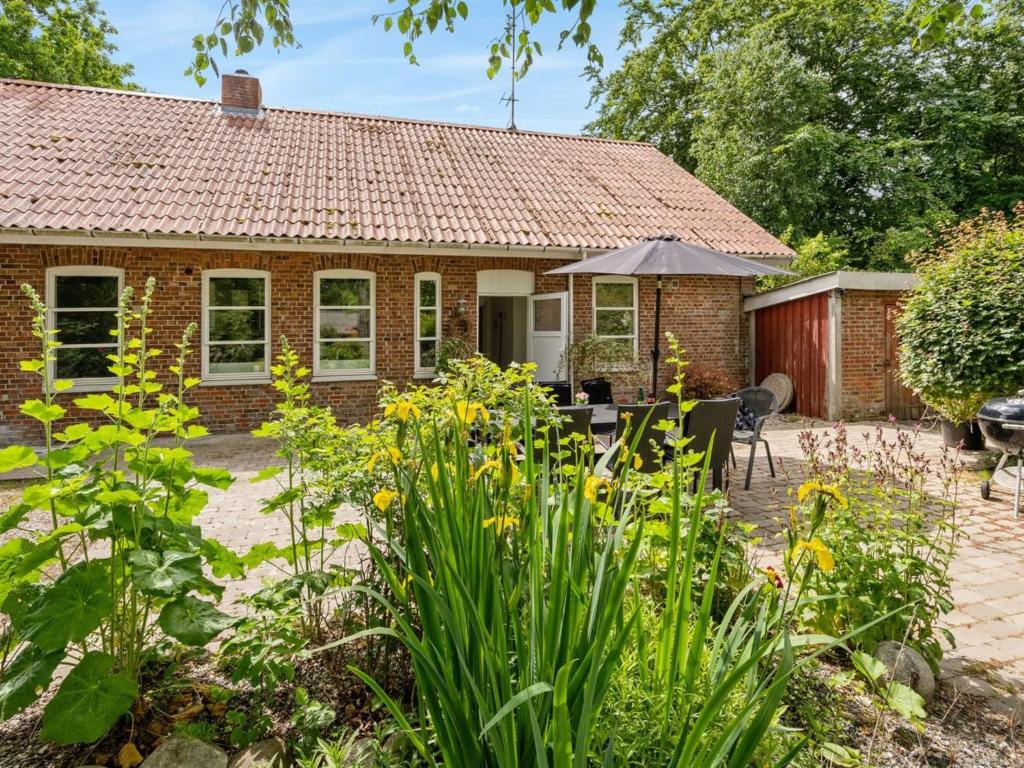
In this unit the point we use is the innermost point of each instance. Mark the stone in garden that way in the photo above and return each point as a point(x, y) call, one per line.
point(186, 752)
point(269, 753)
point(397, 745)
point(907, 666)
point(361, 754)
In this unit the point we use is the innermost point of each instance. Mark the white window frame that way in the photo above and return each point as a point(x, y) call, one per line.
point(605, 279)
point(89, 383)
point(349, 373)
point(260, 377)
point(420, 278)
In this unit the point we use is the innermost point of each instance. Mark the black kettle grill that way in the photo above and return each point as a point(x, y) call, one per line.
point(1002, 422)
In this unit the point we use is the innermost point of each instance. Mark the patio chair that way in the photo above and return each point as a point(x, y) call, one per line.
point(575, 420)
point(717, 419)
point(643, 417)
point(561, 392)
point(762, 403)
point(599, 391)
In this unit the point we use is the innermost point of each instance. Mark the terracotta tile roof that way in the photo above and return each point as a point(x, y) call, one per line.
point(93, 159)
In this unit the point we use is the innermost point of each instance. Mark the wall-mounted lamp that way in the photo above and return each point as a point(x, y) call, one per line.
point(461, 307)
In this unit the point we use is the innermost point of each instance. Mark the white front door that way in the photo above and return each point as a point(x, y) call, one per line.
point(548, 321)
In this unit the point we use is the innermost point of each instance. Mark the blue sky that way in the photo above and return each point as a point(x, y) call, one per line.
point(348, 64)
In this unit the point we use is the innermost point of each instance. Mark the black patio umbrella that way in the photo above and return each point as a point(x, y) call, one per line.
point(666, 255)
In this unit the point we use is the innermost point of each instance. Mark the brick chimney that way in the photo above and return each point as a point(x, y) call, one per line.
point(240, 94)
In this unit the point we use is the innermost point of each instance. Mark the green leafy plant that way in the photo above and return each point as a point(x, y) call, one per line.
point(880, 520)
point(894, 694)
point(514, 586)
point(612, 359)
point(121, 555)
point(962, 327)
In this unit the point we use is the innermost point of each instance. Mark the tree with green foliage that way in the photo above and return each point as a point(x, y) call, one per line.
point(818, 117)
point(60, 41)
point(962, 328)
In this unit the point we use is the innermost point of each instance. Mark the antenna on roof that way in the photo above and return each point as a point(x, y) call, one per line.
point(510, 28)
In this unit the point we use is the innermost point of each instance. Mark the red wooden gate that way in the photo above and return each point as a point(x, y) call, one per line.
point(792, 338)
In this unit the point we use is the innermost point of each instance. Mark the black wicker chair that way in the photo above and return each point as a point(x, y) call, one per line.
point(599, 391)
point(644, 417)
point(763, 405)
point(712, 419)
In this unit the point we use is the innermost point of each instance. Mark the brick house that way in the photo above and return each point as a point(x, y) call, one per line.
point(363, 240)
point(834, 335)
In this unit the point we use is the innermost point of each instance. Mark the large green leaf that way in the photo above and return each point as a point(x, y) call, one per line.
point(21, 561)
point(193, 622)
point(214, 477)
point(164, 574)
point(89, 702)
point(30, 672)
point(69, 609)
point(26, 676)
point(16, 457)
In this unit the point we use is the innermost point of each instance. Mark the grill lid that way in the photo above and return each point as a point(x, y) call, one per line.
point(1003, 409)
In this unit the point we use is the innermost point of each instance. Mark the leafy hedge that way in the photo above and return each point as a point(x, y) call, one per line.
point(962, 328)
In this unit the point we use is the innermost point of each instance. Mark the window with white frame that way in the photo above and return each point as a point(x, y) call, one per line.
point(344, 325)
point(427, 321)
point(236, 324)
point(615, 309)
point(82, 305)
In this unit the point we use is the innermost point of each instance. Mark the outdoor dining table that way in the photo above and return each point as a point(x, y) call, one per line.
point(606, 415)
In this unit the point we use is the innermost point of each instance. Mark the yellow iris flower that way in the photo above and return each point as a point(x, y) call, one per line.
point(383, 498)
point(822, 554)
point(489, 464)
point(501, 523)
point(467, 412)
point(404, 408)
point(814, 486)
point(393, 453)
point(592, 486)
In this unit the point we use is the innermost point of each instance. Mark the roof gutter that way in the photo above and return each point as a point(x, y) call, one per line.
point(103, 238)
point(94, 238)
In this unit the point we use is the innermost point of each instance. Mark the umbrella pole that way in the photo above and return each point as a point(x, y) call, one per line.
point(655, 352)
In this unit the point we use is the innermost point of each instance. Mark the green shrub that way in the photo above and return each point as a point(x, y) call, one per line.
point(121, 557)
point(962, 327)
point(880, 521)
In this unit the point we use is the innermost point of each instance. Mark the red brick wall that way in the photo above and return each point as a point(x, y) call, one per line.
point(704, 312)
point(863, 352)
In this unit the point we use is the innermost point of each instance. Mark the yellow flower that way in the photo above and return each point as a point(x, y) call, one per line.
point(403, 408)
point(393, 453)
point(592, 486)
point(638, 462)
point(501, 523)
point(814, 486)
point(383, 498)
point(489, 464)
point(468, 412)
point(821, 552)
point(373, 461)
point(435, 472)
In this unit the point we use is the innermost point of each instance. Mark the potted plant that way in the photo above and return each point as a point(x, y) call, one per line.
point(962, 328)
point(595, 357)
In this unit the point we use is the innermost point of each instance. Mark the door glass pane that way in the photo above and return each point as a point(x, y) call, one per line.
point(428, 354)
point(428, 323)
point(344, 292)
point(614, 294)
point(344, 355)
point(85, 327)
point(547, 315)
point(428, 293)
point(85, 291)
point(90, 362)
point(611, 322)
point(344, 323)
point(237, 291)
point(237, 358)
point(237, 325)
